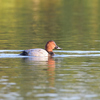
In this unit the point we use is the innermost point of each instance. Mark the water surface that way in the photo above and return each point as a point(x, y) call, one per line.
point(73, 73)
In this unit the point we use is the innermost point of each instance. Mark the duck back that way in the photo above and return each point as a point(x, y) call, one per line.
point(35, 52)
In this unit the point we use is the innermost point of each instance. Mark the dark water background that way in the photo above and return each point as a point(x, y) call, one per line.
point(73, 73)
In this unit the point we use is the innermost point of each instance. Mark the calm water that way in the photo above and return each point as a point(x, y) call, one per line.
point(73, 73)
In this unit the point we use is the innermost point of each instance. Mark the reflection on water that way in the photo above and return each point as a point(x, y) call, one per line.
point(60, 53)
point(49, 78)
point(73, 73)
point(26, 81)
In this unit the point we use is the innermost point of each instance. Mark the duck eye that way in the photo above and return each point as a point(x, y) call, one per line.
point(56, 47)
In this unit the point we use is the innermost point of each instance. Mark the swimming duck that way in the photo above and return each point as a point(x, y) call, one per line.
point(48, 51)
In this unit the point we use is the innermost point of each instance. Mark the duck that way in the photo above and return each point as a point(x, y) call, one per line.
point(38, 52)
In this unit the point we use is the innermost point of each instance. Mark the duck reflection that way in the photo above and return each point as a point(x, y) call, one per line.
point(38, 75)
point(40, 61)
point(51, 72)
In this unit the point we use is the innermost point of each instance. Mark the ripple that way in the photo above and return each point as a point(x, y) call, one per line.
point(11, 50)
point(76, 53)
point(87, 55)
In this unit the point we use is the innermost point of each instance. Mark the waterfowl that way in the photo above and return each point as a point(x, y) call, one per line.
point(48, 51)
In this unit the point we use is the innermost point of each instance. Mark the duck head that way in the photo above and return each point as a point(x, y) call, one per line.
point(50, 45)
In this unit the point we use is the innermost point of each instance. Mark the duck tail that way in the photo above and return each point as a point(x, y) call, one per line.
point(24, 53)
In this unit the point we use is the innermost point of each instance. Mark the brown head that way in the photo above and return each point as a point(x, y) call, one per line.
point(50, 45)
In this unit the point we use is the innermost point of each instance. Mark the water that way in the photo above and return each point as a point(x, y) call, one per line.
point(7, 54)
point(73, 73)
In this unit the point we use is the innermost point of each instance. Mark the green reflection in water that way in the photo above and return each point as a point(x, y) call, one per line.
point(30, 24)
point(81, 24)
point(74, 25)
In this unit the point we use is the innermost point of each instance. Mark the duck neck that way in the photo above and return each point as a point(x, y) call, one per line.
point(51, 53)
point(49, 50)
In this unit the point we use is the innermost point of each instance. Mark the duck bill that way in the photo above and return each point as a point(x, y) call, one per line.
point(58, 48)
